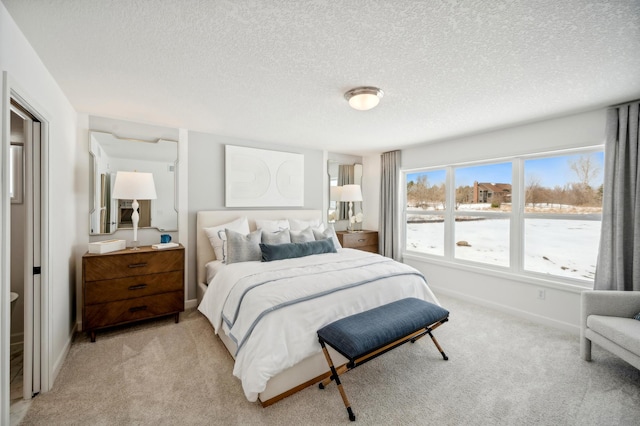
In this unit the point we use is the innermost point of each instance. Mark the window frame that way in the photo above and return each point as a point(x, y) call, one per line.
point(517, 218)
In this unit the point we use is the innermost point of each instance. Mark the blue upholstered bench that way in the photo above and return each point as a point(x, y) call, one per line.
point(364, 336)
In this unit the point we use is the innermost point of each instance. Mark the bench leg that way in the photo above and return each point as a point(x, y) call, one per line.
point(335, 376)
point(428, 331)
point(340, 370)
point(444, 356)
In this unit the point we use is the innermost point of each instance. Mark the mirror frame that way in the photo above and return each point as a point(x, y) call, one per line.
point(92, 181)
point(357, 207)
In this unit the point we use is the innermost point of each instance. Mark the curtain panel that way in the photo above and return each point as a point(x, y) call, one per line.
point(618, 265)
point(389, 233)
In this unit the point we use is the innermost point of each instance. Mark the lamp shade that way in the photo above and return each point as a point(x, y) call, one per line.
point(351, 193)
point(134, 186)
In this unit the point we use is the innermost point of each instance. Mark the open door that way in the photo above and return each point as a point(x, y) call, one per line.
point(31, 235)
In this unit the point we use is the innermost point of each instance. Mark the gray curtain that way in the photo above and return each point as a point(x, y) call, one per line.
point(619, 257)
point(346, 176)
point(389, 234)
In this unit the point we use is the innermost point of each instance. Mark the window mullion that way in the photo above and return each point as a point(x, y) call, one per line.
point(449, 215)
point(517, 219)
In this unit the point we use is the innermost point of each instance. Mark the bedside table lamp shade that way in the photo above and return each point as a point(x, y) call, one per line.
point(351, 193)
point(134, 186)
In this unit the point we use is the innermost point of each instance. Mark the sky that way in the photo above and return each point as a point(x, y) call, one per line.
point(548, 171)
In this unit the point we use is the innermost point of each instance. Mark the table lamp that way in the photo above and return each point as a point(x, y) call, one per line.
point(134, 186)
point(351, 193)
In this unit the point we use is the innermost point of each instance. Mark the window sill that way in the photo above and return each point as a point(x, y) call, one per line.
point(571, 286)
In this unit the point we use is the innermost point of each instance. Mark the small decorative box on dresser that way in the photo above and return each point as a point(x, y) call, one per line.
point(361, 240)
point(130, 285)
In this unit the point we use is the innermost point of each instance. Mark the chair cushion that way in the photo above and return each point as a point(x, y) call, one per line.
point(362, 333)
point(624, 332)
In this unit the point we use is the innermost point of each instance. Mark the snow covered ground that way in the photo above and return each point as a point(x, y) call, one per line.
point(565, 248)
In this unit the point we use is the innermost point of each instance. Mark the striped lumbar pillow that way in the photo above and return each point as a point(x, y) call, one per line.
point(637, 316)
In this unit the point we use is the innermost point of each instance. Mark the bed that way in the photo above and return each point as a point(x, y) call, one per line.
point(272, 337)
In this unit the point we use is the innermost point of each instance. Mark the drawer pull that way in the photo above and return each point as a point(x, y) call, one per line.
point(362, 240)
point(138, 308)
point(137, 287)
point(137, 265)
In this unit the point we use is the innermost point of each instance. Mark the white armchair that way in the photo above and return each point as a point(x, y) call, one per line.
point(607, 320)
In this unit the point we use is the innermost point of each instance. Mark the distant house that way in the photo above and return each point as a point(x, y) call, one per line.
point(484, 192)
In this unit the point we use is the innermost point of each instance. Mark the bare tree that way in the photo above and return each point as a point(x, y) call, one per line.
point(534, 191)
point(586, 169)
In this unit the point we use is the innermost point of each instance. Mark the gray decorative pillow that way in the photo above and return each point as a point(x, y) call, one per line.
point(637, 316)
point(279, 237)
point(327, 233)
point(289, 251)
point(243, 248)
point(304, 236)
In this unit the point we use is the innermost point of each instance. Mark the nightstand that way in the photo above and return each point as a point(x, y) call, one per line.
point(130, 285)
point(361, 240)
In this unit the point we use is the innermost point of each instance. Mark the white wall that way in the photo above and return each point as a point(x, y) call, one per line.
point(30, 78)
point(515, 294)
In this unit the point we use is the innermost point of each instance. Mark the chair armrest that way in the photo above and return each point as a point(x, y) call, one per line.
point(623, 304)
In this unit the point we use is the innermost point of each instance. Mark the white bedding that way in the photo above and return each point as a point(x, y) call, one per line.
point(283, 303)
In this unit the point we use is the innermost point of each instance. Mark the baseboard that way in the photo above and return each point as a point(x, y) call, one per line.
point(57, 366)
point(539, 319)
point(192, 303)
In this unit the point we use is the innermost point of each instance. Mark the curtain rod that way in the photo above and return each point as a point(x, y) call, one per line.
point(624, 103)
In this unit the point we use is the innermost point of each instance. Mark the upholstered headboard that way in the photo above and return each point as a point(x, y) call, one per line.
point(206, 219)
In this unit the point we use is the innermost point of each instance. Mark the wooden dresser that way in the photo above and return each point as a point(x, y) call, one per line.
point(131, 285)
point(361, 240)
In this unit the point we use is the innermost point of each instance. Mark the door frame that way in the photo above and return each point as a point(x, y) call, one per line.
point(12, 90)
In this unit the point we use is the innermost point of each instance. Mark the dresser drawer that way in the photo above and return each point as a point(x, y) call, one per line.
point(126, 288)
point(359, 239)
point(123, 311)
point(128, 263)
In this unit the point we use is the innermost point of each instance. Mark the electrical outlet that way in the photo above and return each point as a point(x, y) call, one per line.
point(541, 294)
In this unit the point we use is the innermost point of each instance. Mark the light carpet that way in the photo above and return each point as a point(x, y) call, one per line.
point(502, 370)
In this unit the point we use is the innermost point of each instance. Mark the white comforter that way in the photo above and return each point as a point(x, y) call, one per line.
point(272, 310)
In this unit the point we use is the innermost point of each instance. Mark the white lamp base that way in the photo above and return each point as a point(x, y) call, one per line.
point(135, 217)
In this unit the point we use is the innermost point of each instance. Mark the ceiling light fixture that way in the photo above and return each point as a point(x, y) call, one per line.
point(364, 98)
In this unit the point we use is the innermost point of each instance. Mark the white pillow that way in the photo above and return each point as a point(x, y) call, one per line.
point(217, 237)
point(272, 225)
point(282, 237)
point(299, 225)
point(304, 236)
point(330, 232)
point(243, 248)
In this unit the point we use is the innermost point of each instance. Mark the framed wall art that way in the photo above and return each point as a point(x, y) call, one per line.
point(263, 178)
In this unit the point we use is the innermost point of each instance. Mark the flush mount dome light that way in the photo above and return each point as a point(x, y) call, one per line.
point(363, 98)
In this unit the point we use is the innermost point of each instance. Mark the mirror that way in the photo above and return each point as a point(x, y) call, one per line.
point(342, 174)
point(108, 155)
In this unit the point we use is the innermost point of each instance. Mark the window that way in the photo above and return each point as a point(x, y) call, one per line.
point(562, 214)
point(426, 196)
point(532, 215)
point(482, 219)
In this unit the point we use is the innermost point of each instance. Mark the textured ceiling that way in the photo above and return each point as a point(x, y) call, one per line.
point(276, 71)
